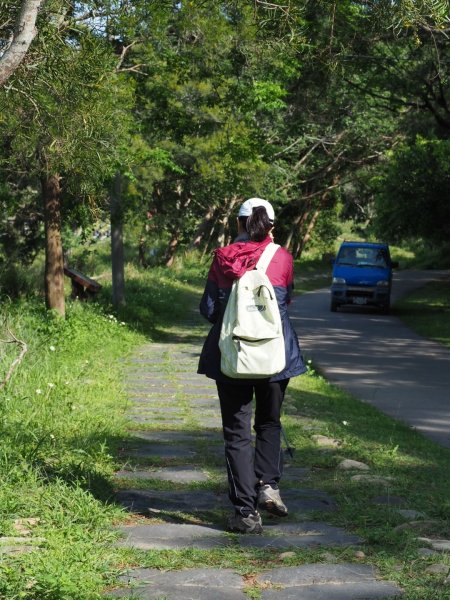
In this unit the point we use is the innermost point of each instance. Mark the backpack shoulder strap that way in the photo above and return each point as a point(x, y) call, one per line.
point(266, 256)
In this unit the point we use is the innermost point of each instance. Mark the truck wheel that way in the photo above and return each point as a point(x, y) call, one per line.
point(333, 306)
point(385, 309)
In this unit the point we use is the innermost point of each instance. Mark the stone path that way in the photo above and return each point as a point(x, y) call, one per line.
point(173, 485)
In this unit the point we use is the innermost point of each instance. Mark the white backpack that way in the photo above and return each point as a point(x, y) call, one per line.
point(251, 339)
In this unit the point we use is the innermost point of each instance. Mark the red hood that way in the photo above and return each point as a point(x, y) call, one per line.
point(236, 259)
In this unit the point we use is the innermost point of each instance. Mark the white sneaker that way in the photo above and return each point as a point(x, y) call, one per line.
point(270, 500)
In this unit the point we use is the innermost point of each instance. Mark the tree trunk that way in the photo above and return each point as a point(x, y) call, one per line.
point(142, 250)
point(23, 35)
point(203, 228)
point(177, 226)
point(54, 259)
point(117, 257)
point(224, 235)
point(296, 225)
point(307, 235)
point(172, 248)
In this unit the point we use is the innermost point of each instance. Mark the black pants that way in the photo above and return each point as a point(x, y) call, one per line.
point(248, 467)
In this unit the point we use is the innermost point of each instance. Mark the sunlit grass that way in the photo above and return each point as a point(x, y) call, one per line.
point(427, 311)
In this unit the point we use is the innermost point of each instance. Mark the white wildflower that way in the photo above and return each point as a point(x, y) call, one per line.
point(52, 348)
point(344, 422)
point(38, 391)
point(51, 385)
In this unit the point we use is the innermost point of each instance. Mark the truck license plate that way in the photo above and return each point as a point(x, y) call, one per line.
point(359, 300)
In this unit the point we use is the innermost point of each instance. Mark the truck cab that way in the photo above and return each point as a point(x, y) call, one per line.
point(362, 276)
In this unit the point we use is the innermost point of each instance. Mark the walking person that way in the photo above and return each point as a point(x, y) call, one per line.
point(253, 473)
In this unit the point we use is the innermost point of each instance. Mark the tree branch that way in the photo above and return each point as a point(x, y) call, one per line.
point(24, 33)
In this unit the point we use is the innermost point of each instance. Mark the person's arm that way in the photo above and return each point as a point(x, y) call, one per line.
point(210, 303)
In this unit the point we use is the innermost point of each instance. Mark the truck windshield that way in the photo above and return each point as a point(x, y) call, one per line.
point(360, 256)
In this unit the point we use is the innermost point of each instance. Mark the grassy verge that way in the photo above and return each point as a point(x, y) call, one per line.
point(312, 272)
point(427, 311)
point(60, 416)
point(61, 423)
point(402, 464)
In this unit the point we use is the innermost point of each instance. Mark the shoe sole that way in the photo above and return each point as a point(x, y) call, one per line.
point(273, 509)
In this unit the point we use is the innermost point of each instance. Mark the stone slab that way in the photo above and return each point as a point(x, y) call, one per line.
point(411, 513)
point(161, 451)
point(218, 577)
point(210, 423)
point(197, 390)
point(304, 500)
point(154, 409)
point(436, 544)
point(318, 573)
point(369, 590)
point(150, 378)
point(176, 436)
point(294, 474)
point(172, 537)
point(148, 361)
point(174, 474)
point(152, 394)
point(145, 501)
point(152, 420)
point(155, 414)
point(154, 384)
point(299, 535)
point(193, 376)
point(167, 591)
point(203, 402)
point(348, 465)
point(148, 400)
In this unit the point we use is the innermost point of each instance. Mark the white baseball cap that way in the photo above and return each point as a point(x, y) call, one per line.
point(247, 207)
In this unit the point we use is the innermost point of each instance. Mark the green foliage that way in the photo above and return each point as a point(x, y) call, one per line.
point(20, 225)
point(413, 194)
point(65, 112)
point(214, 86)
point(69, 114)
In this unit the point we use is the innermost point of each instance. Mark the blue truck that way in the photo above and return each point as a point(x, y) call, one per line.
point(362, 276)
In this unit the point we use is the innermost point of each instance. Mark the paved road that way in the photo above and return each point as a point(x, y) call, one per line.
point(378, 359)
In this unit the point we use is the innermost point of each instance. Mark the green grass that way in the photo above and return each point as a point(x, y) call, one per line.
point(61, 415)
point(60, 447)
point(312, 272)
point(427, 311)
point(414, 468)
